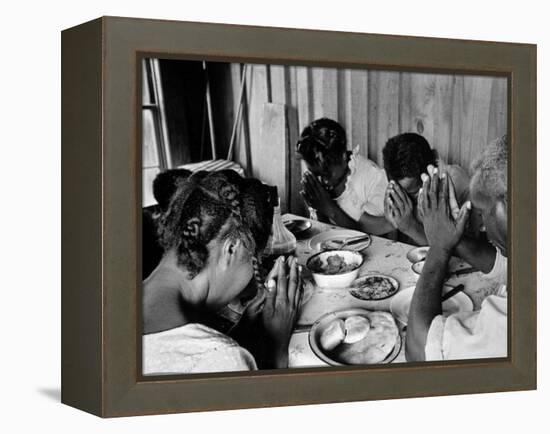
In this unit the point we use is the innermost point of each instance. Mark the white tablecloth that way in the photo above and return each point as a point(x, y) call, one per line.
point(382, 256)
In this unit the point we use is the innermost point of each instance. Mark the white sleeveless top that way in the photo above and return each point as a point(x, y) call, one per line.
point(193, 348)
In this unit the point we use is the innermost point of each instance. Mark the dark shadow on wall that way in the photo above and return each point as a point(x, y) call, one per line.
point(184, 89)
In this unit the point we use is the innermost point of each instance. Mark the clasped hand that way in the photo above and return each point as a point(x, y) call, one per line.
point(314, 194)
point(278, 306)
point(398, 207)
point(443, 220)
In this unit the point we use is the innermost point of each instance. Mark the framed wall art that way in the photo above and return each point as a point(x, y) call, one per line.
point(259, 216)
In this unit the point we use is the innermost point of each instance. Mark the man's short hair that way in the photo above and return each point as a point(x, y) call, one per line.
point(407, 155)
point(490, 172)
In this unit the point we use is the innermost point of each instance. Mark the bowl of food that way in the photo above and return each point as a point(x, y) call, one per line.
point(417, 254)
point(373, 287)
point(355, 337)
point(335, 268)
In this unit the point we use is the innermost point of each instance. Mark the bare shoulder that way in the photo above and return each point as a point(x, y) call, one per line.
point(461, 179)
point(456, 171)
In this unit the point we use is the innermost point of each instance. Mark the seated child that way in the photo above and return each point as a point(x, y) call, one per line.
point(406, 157)
point(343, 187)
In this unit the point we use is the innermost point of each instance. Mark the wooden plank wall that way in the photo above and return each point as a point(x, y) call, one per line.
point(458, 114)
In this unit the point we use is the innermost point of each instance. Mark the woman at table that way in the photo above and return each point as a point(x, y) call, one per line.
point(212, 231)
point(464, 335)
point(343, 187)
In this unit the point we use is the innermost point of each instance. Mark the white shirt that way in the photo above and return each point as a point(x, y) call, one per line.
point(365, 188)
point(499, 273)
point(471, 335)
point(193, 348)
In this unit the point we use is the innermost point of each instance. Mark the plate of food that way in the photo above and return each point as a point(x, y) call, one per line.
point(297, 226)
point(401, 303)
point(333, 240)
point(374, 287)
point(355, 337)
point(335, 268)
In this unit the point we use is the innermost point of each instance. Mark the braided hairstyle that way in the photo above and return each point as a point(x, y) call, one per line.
point(407, 156)
point(322, 142)
point(258, 203)
point(215, 205)
point(166, 183)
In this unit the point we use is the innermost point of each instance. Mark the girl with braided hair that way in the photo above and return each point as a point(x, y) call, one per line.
point(343, 187)
point(212, 232)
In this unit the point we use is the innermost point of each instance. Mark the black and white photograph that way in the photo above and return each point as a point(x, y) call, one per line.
point(285, 217)
point(305, 217)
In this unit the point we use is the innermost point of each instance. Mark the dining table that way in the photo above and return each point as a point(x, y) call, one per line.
point(383, 256)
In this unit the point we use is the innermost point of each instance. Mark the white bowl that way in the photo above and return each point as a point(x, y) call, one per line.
point(417, 267)
point(341, 280)
point(417, 254)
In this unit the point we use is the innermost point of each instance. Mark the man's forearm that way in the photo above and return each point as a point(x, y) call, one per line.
point(322, 217)
point(426, 302)
point(367, 223)
point(416, 232)
point(376, 225)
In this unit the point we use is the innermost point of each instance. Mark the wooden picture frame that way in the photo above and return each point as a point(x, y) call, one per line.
point(101, 191)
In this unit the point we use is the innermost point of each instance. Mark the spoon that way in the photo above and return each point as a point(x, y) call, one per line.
point(348, 242)
point(452, 292)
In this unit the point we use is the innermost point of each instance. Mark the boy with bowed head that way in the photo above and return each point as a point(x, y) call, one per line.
point(408, 157)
